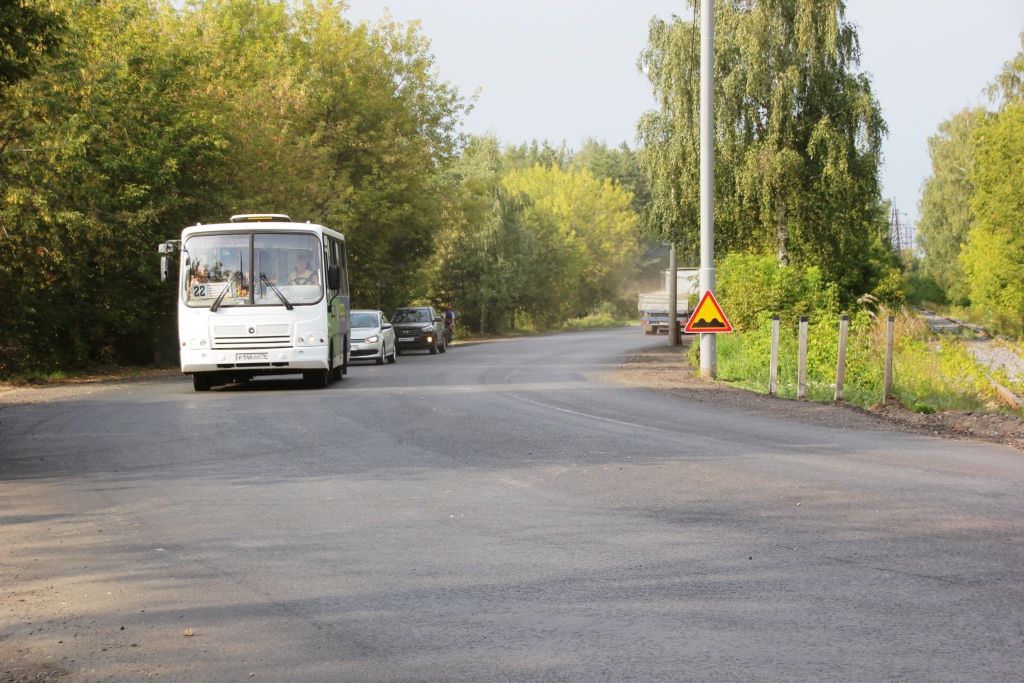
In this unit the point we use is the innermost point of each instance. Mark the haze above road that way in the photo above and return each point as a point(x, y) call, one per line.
point(498, 513)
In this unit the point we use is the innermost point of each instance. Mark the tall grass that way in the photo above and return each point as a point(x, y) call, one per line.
point(604, 315)
point(929, 374)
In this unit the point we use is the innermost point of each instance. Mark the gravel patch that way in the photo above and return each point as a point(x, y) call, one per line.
point(995, 356)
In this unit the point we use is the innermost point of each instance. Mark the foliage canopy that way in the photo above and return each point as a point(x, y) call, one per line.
point(797, 138)
point(154, 116)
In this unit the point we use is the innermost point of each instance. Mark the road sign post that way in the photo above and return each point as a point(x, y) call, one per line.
point(708, 359)
point(673, 296)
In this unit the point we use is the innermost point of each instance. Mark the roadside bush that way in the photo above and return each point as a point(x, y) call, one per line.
point(606, 314)
point(749, 285)
point(922, 288)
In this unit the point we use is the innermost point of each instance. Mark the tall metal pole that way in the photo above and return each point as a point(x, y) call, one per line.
point(708, 360)
point(673, 297)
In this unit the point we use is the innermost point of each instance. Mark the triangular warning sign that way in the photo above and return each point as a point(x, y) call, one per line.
point(707, 317)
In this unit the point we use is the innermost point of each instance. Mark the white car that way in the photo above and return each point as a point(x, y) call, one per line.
point(372, 337)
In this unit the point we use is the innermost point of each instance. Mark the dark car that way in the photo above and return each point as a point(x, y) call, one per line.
point(418, 327)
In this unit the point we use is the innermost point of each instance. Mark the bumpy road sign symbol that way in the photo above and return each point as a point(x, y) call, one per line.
point(708, 317)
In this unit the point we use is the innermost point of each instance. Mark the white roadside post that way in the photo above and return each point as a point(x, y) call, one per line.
point(773, 361)
point(708, 360)
point(801, 361)
point(887, 379)
point(844, 332)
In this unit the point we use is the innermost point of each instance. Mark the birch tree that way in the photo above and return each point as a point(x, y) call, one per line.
point(798, 137)
point(945, 205)
point(993, 258)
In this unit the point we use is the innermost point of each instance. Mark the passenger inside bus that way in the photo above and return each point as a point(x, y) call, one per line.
point(198, 278)
point(302, 275)
point(201, 275)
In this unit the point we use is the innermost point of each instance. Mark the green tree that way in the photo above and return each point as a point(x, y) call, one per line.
point(798, 138)
point(529, 155)
point(160, 115)
point(491, 268)
point(993, 258)
point(254, 75)
point(945, 204)
point(387, 127)
point(620, 165)
point(752, 287)
point(114, 146)
point(29, 33)
point(531, 245)
point(589, 224)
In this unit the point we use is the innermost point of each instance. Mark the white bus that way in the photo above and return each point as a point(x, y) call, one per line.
point(261, 295)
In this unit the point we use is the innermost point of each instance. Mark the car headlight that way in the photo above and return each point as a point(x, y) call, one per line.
point(371, 340)
point(428, 328)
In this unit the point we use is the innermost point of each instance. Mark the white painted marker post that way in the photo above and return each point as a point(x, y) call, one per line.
point(801, 373)
point(844, 331)
point(773, 364)
point(890, 333)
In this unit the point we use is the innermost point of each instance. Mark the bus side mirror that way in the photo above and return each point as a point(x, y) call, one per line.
point(333, 277)
point(165, 249)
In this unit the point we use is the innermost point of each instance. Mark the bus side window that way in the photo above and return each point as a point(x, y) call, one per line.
point(343, 262)
point(333, 248)
point(328, 259)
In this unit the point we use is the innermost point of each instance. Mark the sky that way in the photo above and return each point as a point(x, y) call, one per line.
point(565, 70)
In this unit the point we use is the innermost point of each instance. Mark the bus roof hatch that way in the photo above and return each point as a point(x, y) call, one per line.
point(261, 218)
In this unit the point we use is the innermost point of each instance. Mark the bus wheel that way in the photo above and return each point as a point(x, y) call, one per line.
point(201, 381)
point(315, 379)
point(337, 373)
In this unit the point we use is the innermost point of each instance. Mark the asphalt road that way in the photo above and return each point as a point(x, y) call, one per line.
point(497, 513)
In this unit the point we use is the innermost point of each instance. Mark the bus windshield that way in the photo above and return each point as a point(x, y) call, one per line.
point(245, 269)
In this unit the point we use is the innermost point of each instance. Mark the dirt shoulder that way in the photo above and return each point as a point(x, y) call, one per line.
point(668, 370)
point(101, 379)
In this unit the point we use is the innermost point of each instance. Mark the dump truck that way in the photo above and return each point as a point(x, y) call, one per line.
point(654, 306)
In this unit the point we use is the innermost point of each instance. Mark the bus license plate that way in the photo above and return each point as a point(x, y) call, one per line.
point(249, 357)
point(406, 339)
